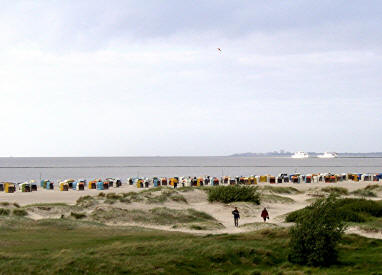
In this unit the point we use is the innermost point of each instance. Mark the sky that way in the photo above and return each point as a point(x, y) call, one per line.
point(145, 78)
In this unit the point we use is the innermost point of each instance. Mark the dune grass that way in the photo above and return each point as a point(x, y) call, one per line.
point(272, 198)
point(75, 247)
point(335, 190)
point(281, 189)
point(368, 191)
point(350, 210)
point(158, 216)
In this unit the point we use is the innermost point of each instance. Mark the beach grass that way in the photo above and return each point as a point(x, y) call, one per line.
point(335, 190)
point(349, 210)
point(281, 189)
point(368, 191)
point(65, 246)
point(273, 198)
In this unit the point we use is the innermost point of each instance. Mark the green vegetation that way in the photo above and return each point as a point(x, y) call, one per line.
point(165, 195)
point(272, 198)
point(368, 191)
point(364, 193)
point(374, 187)
point(86, 201)
point(78, 215)
point(4, 212)
point(19, 212)
point(48, 205)
point(4, 203)
point(335, 190)
point(367, 212)
point(159, 216)
point(281, 189)
point(69, 246)
point(233, 193)
point(315, 236)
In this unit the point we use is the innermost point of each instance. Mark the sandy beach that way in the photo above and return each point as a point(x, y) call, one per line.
point(197, 200)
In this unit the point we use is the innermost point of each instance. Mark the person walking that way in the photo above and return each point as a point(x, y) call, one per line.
point(236, 217)
point(264, 214)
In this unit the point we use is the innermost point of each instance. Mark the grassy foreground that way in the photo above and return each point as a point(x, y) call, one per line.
point(65, 246)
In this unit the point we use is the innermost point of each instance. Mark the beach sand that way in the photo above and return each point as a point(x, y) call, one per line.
point(197, 199)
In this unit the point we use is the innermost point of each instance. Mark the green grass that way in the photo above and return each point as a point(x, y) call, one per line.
point(60, 204)
point(350, 210)
point(374, 187)
point(281, 189)
point(368, 191)
point(364, 193)
point(78, 215)
point(19, 212)
point(165, 195)
point(86, 202)
point(335, 190)
point(4, 212)
point(76, 247)
point(272, 198)
point(233, 193)
point(155, 216)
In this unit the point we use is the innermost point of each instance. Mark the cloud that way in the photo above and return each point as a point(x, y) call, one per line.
point(145, 78)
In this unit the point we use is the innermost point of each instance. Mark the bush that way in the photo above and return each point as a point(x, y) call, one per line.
point(4, 212)
point(315, 236)
point(227, 194)
point(19, 212)
point(350, 210)
point(293, 216)
point(77, 215)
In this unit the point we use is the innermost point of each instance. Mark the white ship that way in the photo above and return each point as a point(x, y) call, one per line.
point(327, 155)
point(300, 155)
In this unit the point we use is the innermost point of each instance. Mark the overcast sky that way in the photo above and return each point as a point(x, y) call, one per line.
point(140, 78)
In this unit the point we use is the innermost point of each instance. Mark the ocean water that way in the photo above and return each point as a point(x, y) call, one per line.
point(22, 169)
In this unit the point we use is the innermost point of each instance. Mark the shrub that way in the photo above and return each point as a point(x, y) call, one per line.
point(315, 236)
point(4, 203)
point(293, 216)
point(4, 212)
point(19, 212)
point(15, 204)
point(78, 215)
point(350, 210)
point(234, 193)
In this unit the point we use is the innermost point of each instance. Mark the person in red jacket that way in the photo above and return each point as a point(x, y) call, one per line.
point(264, 214)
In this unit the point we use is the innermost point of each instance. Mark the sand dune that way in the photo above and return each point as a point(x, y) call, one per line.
point(278, 206)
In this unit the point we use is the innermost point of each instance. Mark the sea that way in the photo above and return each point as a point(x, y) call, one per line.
point(16, 169)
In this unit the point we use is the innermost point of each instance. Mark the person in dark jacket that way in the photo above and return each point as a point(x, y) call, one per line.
point(236, 216)
point(264, 214)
